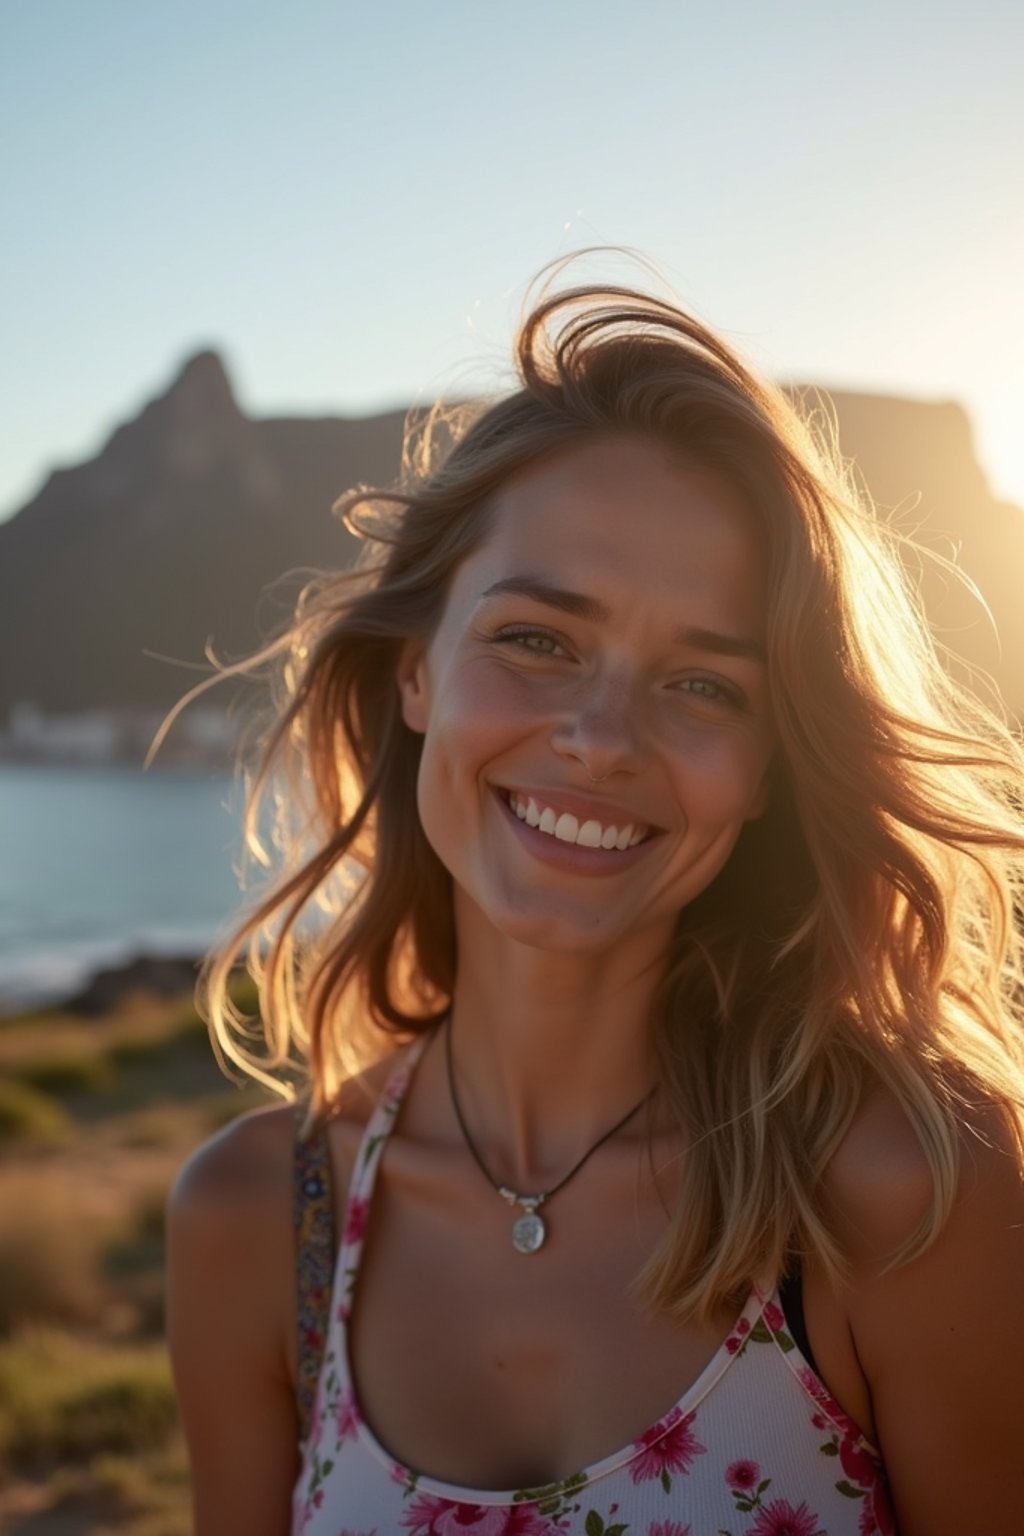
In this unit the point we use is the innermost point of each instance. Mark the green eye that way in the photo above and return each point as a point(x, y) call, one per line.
point(711, 690)
point(536, 640)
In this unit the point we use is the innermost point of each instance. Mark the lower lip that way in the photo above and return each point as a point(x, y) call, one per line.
point(572, 856)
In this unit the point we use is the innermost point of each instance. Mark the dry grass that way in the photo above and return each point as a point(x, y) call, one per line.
point(29, 1117)
point(96, 1116)
point(50, 1253)
point(88, 1430)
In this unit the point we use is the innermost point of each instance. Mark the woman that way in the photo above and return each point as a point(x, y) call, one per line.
point(646, 920)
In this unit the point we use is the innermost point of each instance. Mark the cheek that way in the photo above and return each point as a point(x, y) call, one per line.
point(472, 720)
point(721, 773)
point(481, 713)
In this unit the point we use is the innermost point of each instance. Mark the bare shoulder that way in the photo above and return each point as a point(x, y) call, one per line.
point(229, 1235)
point(232, 1313)
point(881, 1185)
point(244, 1171)
point(939, 1337)
point(235, 1171)
point(879, 1182)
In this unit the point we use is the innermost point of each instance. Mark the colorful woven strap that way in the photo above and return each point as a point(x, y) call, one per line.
point(313, 1208)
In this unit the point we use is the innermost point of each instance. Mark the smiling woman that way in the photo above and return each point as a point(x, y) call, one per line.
point(530, 691)
point(661, 1028)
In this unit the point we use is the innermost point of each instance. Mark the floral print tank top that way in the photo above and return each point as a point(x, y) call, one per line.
point(755, 1447)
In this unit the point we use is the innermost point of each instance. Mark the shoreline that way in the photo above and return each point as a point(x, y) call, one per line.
point(92, 989)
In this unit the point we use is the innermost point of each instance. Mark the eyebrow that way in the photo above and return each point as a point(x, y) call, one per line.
point(596, 612)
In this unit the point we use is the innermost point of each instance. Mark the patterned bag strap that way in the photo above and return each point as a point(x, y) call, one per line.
point(313, 1209)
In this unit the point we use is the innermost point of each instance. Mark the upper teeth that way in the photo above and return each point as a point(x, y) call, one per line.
point(568, 829)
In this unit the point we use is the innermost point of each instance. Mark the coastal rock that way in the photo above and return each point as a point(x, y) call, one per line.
point(162, 975)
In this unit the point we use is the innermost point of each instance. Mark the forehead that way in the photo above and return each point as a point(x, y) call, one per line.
point(629, 521)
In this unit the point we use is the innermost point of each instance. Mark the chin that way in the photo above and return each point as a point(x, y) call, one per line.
point(554, 930)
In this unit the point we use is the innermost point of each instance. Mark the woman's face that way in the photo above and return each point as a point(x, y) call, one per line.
point(609, 628)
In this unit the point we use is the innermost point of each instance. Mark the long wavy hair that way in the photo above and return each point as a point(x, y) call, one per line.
point(866, 928)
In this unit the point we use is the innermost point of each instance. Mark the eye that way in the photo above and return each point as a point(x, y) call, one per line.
point(539, 642)
point(712, 690)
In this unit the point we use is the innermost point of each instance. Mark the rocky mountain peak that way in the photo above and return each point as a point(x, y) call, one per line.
point(200, 393)
point(179, 531)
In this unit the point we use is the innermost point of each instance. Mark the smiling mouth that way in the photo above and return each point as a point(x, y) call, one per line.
point(567, 828)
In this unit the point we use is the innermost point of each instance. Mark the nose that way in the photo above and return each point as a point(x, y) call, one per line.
point(602, 729)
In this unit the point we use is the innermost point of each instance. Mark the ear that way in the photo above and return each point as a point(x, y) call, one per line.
point(411, 676)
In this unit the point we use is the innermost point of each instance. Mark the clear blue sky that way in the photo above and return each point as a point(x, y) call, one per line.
point(348, 199)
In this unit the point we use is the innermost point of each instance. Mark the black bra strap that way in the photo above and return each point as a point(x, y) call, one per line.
point(791, 1296)
point(313, 1208)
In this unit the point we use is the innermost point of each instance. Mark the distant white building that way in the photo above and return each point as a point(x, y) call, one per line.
point(201, 736)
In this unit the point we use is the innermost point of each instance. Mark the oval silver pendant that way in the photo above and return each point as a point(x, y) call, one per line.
point(528, 1233)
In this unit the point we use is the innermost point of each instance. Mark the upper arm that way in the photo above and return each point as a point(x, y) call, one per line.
point(230, 1304)
point(941, 1342)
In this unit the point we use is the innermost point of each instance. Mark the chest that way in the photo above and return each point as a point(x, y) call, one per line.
point(485, 1367)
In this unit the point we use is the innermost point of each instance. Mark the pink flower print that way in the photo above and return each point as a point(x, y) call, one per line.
point(856, 1462)
point(394, 1093)
point(742, 1475)
point(875, 1514)
point(773, 1317)
point(670, 1446)
point(668, 1528)
point(428, 1515)
point(736, 1340)
point(398, 1473)
point(817, 1389)
point(355, 1219)
point(316, 1421)
point(348, 1416)
point(779, 1518)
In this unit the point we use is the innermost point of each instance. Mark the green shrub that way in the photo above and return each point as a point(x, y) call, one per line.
point(193, 1031)
point(28, 1115)
point(65, 1398)
point(126, 1053)
point(63, 1075)
point(148, 1050)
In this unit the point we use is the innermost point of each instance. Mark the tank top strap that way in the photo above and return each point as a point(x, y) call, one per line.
point(313, 1218)
point(316, 1251)
point(368, 1156)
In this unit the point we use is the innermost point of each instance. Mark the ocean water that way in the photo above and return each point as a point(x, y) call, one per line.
point(100, 864)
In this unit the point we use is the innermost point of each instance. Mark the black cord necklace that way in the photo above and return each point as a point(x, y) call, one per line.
point(528, 1230)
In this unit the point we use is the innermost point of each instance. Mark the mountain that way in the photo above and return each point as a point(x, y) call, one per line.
point(167, 538)
point(918, 462)
point(171, 535)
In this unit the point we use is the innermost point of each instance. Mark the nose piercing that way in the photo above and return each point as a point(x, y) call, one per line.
point(601, 780)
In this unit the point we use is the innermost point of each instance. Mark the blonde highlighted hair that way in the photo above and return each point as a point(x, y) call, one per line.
point(866, 927)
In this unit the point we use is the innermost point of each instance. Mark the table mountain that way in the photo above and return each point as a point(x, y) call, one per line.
point(172, 534)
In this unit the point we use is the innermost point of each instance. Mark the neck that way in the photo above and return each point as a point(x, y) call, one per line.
point(549, 1050)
